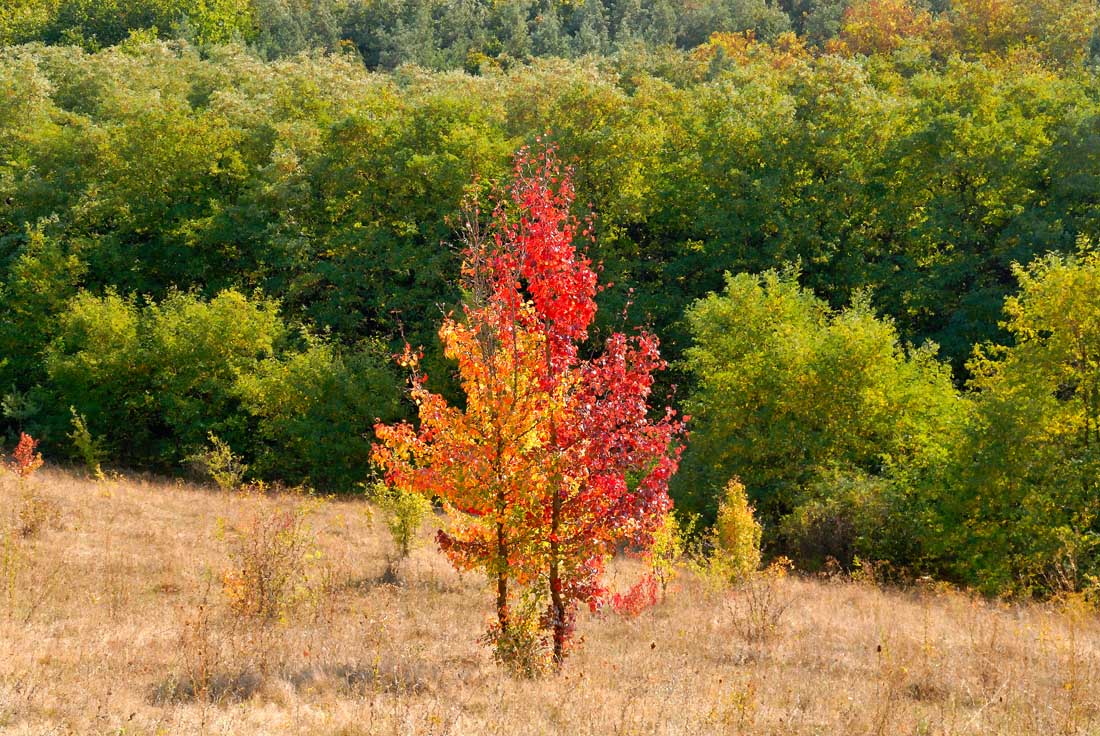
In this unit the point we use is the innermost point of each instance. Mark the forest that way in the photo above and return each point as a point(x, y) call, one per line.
point(864, 233)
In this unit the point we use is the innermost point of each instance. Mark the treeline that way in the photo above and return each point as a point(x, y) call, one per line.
point(194, 240)
point(485, 34)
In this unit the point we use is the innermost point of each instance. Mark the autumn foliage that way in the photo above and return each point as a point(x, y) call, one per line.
point(881, 26)
point(24, 460)
point(555, 459)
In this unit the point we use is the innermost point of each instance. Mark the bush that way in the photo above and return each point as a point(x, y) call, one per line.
point(268, 553)
point(787, 386)
point(158, 378)
point(97, 366)
point(522, 649)
point(88, 448)
point(219, 462)
point(668, 547)
point(841, 517)
point(637, 598)
point(32, 511)
point(735, 540)
point(197, 350)
point(1019, 514)
point(405, 513)
point(311, 409)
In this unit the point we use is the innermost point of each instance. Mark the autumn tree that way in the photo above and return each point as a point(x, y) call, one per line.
point(555, 459)
point(881, 26)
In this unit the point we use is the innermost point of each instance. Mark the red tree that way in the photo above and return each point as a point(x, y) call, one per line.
point(555, 459)
point(24, 460)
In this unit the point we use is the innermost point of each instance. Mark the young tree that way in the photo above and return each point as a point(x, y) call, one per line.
point(554, 460)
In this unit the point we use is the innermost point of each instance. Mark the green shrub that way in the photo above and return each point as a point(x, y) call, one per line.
point(220, 464)
point(1019, 513)
point(669, 544)
point(97, 366)
point(845, 515)
point(88, 448)
point(404, 515)
point(158, 378)
point(787, 386)
point(313, 410)
point(198, 349)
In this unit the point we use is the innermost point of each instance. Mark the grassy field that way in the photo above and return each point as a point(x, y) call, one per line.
point(113, 612)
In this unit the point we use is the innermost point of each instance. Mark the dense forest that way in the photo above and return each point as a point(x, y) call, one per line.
point(862, 231)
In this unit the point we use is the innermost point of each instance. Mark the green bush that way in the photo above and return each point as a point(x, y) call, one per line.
point(842, 516)
point(97, 365)
point(154, 379)
point(220, 464)
point(786, 386)
point(198, 350)
point(405, 514)
point(314, 410)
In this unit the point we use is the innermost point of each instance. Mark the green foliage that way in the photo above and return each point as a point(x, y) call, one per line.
point(786, 387)
point(147, 188)
point(89, 448)
point(668, 547)
point(847, 515)
point(42, 276)
point(220, 464)
point(310, 410)
point(405, 513)
point(159, 377)
point(96, 364)
point(1022, 514)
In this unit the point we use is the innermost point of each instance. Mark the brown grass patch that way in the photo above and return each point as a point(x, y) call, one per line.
point(113, 621)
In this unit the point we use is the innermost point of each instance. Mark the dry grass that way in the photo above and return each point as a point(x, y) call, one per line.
point(113, 621)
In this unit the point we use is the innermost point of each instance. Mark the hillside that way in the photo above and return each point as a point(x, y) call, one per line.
point(114, 607)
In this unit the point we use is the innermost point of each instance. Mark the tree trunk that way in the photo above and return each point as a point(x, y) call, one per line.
point(502, 578)
point(557, 604)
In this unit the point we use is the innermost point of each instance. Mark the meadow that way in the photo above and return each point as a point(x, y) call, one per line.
point(115, 619)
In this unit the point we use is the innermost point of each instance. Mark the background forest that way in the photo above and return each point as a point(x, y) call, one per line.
point(863, 232)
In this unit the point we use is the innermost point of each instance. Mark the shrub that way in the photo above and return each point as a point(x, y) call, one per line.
point(522, 648)
point(33, 511)
point(736, 537)
point(786, 386)
point(160, 375)
point(639, 597)
point(268, 552)
point(310, 408)
point(219, 462)
point(667, 549)
point(88, 448)
point(1019, 513)
point(404, 514)
point(24, 460)
point(97, 366)
point(199, 348)
point(842, 517)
